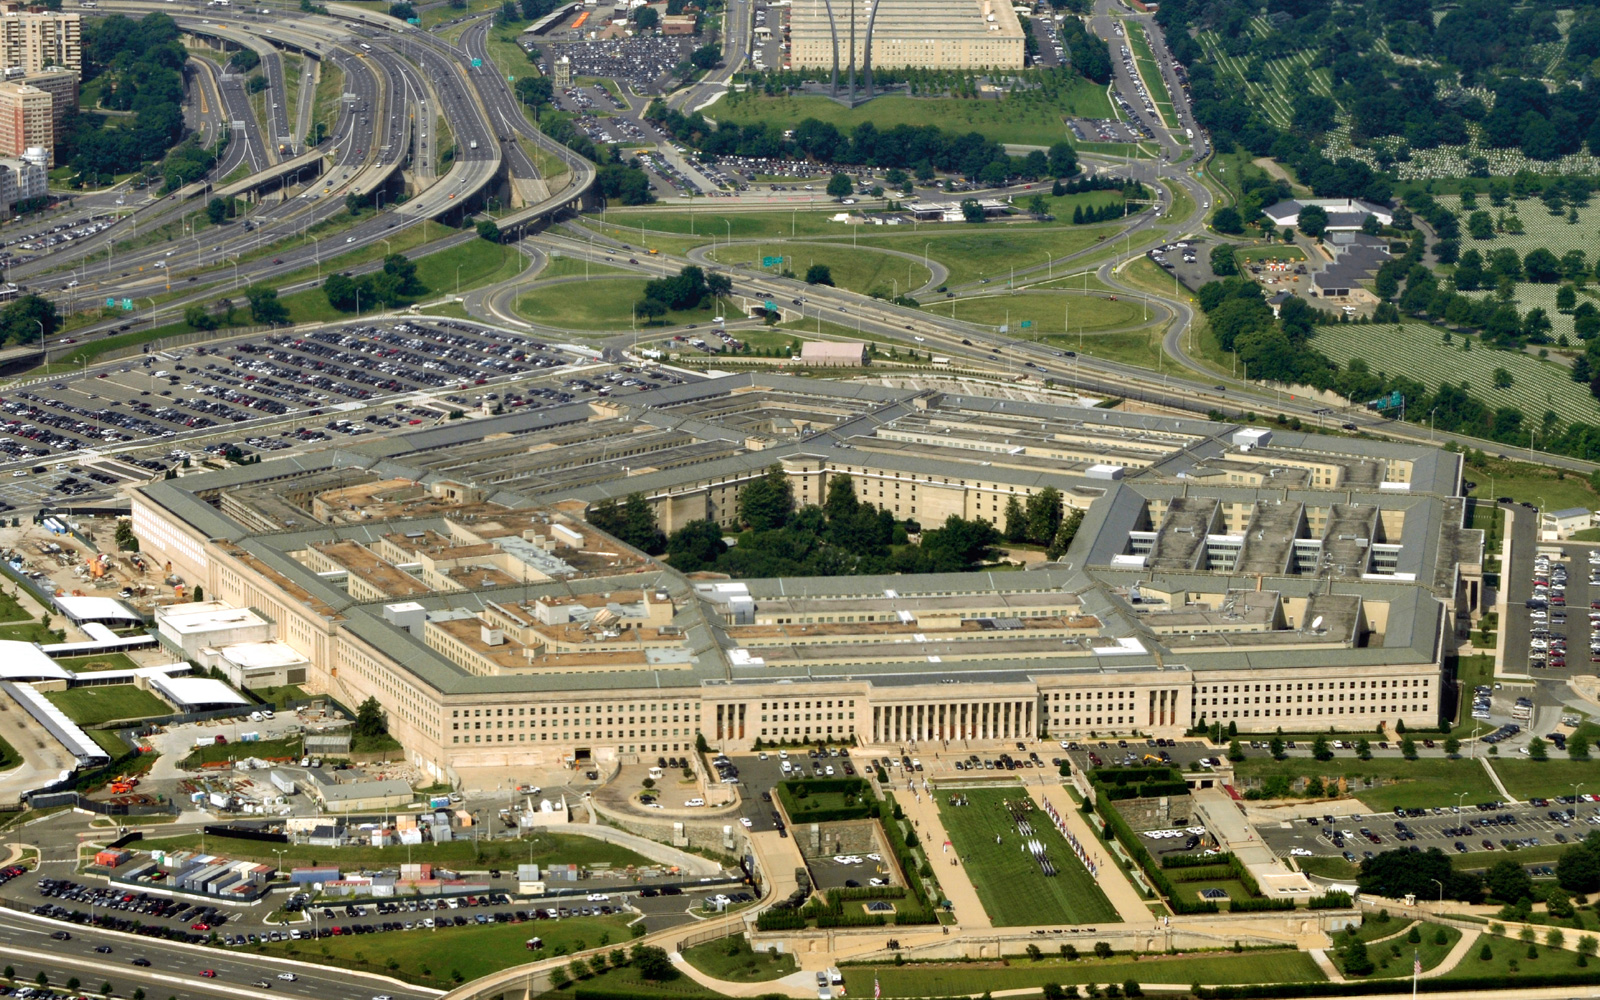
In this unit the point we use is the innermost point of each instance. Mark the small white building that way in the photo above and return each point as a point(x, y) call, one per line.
point(1345, 214)
point(273, 663)
point(833, 353)
point(1559, 525)
point(197, 625)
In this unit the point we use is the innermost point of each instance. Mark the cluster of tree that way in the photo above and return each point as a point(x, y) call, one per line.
point(840, 538)
point(396, 284)
point(1042, 520)
point(920, 148)
point(22, 317)
point(141, 65)
point(624, 182)
point(265, 307)
point(686, 290)
point(1396, 873)
point(1086, 54)
point(189, 161)
point(370, 719)
point(1082, 215)
point(1275, 349)
point(1387, 63)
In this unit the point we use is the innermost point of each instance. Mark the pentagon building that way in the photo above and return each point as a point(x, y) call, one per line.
point(1221, 573)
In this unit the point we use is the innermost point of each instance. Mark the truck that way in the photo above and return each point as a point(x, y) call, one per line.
point(282, 782)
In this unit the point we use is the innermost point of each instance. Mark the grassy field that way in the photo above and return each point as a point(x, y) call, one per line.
point(476, 263)
point(1504, 951)
point(1426, 782)
point(963, 978)
point(1049, 312)
point(547, 848)
point(105, 661)
point(1278, 253)
point(1014, 892)
point(731, 959)
point(571, 267)
point(10, 610)
point(89, 706)
point(450, 955)
point(1026, 118)
point(1391, 964)
point(277, 697)
point(1534, 779)
point(858, 269)
point(9, 757)
point(109, 741)
point(973, 252)
point(595, 305)
point(265, 749)
point(1419, 350)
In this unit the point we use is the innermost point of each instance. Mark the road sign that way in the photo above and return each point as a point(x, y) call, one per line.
point(1027, 323)
point(476, 63)
point(127, 303)
point(771, 306)
point(771, 261)
point(510, 78)
point(1390, 402)
point(111, 303)
point(1006, 328)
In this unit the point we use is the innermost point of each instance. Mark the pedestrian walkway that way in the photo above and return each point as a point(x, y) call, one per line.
point(1130, 905)
point(1325, 963)
point(1463, 948)
point(797, 984)
point(1505, 796)
point(923, 813)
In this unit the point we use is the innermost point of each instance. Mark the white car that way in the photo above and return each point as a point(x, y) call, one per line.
point(693, 803)
point(1300, 852)
point(287, 977)
point(598, 897)
point(744, 821)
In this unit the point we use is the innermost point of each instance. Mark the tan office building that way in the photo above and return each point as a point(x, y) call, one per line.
point(26, 119)
point(926, 34)
point(39, 41)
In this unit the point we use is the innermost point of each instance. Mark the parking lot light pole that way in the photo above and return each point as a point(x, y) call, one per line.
point(1575, 787)
point(1441, 889)
point(1459, 797)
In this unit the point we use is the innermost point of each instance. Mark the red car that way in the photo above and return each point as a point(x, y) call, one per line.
point(199, 927)
point(209, 973)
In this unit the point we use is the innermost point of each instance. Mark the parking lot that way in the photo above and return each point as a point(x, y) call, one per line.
point(645, 63)
point(1489, 829)
point(132, 419)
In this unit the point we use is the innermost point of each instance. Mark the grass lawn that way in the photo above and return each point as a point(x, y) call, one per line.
point(265, 749)
point(105, 661)
point(1504, 951)
point(991, 250)
point(88, 706)
point(9, 757)
point(855, 797)
point(858, 269)
point(277, 697)
point(962, 978)
point(595, 305)
point(480, 263)
point(1544, 779)
point(450, 955)
point(1027, 118)
point(1389, 963)
point(1280, 253)
point(1141, 348)
point(10, 610)
point(109, 741)
point(1049, 313)
point(1524, 481)
point(732, 959)
point(381, 743)
point(1328, 867)
point(548, 848)
point(1426, 782)
point(709, 226)
point(1014, 892)
point(572, 267)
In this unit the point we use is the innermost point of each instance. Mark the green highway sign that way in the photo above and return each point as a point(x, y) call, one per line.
point(1027, 323)
point(771, 306)
point(476, 63)
point(771, 261)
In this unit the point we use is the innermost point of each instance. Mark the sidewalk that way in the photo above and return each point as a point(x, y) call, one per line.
point(1112, 880)
point(923, 812)
point(787, 985)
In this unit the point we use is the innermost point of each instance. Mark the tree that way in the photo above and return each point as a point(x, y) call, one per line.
point(1227, 221)
point(1102, 949)
point(23, 321)
point(487, 230)
point(1398, 872)
point(695, 546)
point(1275, 745)
point(1364, 748)
point(1587, 946)
point(971, 211)
point(1541, 266)
point(1223, 264)
point(1452, 746)
point(1313, 220)
point(402, 10)
point(1508, 882)
point(1578, 747)
point(1408, 748)
point(767, 502)
point(1537, 749)
point(198, 319)
point(840, 186)
point(633, 521)
point(1566, 298)
point(1235, 751)
point(533, 91)
point(1320, 749)
point(1042, 515)
point(216, 211)
point(559, 977)
point(646, 18)
point(1578, 869)
point(706, 57)
point(1063, 160)
point(653, 963)
point(819, 274)
point(370, 719)
point(264, 305)
point(1356, 960)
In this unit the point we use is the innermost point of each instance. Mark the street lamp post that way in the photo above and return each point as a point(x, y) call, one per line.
point(1441, 889)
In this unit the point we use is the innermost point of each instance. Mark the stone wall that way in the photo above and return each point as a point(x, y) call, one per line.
point(1157, 814)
